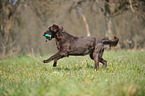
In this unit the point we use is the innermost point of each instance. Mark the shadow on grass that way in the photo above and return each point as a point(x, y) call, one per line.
point(60, 69)
point(74, 68)
point(67, 69)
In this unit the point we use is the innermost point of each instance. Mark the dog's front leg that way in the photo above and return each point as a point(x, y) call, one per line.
point(52, 57)
point(55, 63)
point(55, 57)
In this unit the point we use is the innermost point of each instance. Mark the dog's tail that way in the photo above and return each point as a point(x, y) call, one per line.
point(112, 42)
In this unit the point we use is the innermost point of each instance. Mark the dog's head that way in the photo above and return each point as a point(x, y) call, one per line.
point(52, 31)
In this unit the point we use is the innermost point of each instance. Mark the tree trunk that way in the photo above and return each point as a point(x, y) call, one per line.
point(107, 14)
point(108, 32)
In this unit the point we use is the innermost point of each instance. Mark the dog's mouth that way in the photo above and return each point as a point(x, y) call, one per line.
point(47, 37)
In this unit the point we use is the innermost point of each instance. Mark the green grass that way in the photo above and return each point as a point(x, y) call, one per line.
point(74, 76)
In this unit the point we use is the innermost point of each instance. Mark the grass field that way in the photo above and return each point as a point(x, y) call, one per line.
point(74, 76)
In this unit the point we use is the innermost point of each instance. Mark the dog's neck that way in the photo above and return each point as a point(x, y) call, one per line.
point(63, 37)
point(59, 38)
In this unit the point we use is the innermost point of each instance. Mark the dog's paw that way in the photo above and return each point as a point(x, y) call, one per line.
point(44, 61)
point(54, 65)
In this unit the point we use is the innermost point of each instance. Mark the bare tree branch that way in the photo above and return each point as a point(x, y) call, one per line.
point(86, 24)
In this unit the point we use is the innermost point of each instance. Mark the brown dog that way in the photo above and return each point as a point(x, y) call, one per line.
point(71, 45)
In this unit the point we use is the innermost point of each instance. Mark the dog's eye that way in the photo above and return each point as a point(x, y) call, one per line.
point(49, 29)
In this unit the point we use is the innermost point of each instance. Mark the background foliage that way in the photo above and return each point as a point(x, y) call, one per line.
point(23, 21)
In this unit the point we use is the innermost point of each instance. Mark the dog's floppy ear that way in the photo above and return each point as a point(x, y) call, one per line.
point(56, 28)
point(60, 28)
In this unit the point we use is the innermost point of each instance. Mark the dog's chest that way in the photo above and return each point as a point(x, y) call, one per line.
point(57, 44)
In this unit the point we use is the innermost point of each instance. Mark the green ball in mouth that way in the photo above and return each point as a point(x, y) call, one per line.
point(47, 36)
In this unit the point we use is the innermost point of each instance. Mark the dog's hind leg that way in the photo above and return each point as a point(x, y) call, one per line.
point(96, 60)
point(104, 62)
point(94, 56)
point(91, 54)
point(97, 55)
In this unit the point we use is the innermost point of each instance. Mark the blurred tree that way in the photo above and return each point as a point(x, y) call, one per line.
point(124, 18)
point(40, 14)
point(52, 10)
point(110, 9)
point(44, 8)
point(7, 14)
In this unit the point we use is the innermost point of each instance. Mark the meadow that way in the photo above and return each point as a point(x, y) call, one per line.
point(74, 76)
